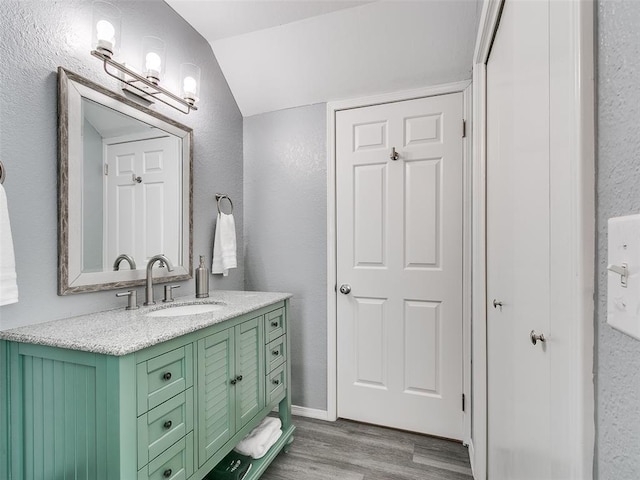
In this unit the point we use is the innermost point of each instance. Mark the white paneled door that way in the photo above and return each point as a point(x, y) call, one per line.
point(142, 199)
point(399, 184)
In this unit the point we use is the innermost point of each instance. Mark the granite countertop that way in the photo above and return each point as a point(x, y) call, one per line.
point(120, 332)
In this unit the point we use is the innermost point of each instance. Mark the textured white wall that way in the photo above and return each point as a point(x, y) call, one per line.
point(285, 188)
point(36, 37)
point(618, 193)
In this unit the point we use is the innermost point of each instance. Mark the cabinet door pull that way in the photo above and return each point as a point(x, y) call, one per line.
point(274, 324)
point(167, 473)
point(275, 381)
point(167, 376)
point(234, 381)
point(239, 378)
point(276, 353)
point(168, 424)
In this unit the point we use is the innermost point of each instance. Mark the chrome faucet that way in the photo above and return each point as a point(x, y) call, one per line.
point(148, 292)
point(125, 257)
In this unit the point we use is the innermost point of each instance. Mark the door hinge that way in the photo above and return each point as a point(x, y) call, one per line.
point(464, 128)
point(463, 402)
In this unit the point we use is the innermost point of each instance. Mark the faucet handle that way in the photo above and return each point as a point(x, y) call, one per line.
point(168, 293)
point(132, 304)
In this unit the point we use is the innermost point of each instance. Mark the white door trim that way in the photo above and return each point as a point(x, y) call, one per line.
point(574, 34)
point(332, 108)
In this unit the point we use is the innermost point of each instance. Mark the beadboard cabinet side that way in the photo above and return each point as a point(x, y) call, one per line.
point(65, 412)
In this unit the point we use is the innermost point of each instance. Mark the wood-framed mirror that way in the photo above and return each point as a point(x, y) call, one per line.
point(125, 190)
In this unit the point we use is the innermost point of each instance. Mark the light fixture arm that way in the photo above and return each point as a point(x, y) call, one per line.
point(155, 91)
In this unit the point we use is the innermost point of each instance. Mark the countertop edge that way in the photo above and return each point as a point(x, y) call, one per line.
point(83, 328)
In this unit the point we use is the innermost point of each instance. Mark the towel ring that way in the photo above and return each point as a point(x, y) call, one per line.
point(2, 173)
point(219, 198)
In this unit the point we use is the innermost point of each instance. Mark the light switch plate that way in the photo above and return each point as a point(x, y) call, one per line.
point(623, 302)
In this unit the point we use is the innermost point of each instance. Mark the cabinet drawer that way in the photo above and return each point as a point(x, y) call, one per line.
point(163, 377)
point(163, 426)
point(276, 385)
point(274, 325)
point(276, 353)
point(176, 463)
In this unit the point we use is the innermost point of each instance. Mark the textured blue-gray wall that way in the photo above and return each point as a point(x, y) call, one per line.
point(285, 185)
point(618, 193)
point(36, 37)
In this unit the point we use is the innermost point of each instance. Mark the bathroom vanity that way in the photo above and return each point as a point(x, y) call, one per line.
point(163, 392)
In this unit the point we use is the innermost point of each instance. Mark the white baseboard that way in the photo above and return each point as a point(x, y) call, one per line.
point(310, 412)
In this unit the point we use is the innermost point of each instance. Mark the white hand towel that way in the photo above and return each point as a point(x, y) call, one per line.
point(261, 438)
point(224, 245)
point(8, 283)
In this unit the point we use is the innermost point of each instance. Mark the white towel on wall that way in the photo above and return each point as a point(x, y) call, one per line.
point(261, 438)
point(224, 245)
point(8, 283)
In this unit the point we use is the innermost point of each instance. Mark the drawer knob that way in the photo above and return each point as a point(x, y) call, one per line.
point(167, 473)
point(275, 381)
point(276, 353)
point(167, 376)
point(168, 424)
point(274, 324)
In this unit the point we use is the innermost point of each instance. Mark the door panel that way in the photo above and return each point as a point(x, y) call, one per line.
point(138, 212)
point(250, 390)
point(422, 203)
point(369, 225)
point(216, 407)
point(399, 246)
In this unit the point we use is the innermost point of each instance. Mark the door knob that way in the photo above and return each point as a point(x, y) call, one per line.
point(345, 288)
point(497, 303)
point(535, 338)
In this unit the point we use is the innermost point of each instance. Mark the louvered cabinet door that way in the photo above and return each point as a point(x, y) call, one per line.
point(250, 369)
point(216, 399)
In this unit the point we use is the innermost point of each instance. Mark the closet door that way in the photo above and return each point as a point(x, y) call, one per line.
point(518, 245)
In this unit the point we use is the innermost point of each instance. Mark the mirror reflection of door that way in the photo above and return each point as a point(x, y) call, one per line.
point(141, 199)
point(132, 190)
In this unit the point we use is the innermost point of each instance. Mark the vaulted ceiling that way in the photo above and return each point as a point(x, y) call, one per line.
point(283, 54)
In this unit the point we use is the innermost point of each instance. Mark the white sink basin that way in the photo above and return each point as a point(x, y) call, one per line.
point(182, 310)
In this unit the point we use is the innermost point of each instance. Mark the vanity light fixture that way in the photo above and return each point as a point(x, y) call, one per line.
point(106, 41)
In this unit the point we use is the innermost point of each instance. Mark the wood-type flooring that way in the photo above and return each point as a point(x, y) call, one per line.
point(346, 450)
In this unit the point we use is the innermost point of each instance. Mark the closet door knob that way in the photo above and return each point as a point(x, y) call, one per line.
point(535, 338)
point(345, 288)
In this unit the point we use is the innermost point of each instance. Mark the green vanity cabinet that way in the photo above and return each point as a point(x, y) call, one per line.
point(169, 411)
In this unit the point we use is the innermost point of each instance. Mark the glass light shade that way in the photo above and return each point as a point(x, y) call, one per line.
point(106, 28)
point(190, 82)
point(153, 58)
